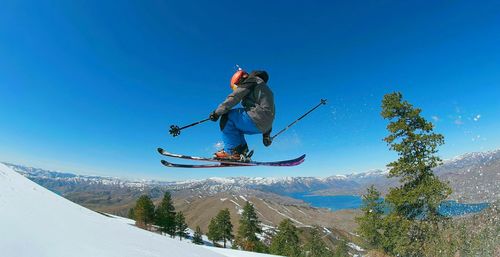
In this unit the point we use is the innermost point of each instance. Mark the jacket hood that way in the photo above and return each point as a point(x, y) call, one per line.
point(261, 74)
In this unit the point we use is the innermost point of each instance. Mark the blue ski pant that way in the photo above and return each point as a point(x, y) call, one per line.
point(238, 125)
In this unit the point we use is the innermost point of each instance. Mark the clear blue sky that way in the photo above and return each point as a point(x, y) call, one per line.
point(92, 86)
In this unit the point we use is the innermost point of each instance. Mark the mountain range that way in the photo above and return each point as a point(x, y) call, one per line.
point(472, 176)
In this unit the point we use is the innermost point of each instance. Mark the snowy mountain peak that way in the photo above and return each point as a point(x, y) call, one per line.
point(474, 158)
point(370, 173)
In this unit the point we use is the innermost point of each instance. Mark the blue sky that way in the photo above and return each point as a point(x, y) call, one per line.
point(91, 87)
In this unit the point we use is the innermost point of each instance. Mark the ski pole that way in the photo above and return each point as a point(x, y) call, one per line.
point(323, 101)
point(175, 130)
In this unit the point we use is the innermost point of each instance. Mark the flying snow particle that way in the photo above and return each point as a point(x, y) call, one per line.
point(219, 145)
point(477, 117)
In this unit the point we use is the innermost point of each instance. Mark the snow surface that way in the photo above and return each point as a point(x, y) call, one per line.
point(355, 247)
point(37, 222)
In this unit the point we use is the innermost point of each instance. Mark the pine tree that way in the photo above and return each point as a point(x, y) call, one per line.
point(131, 214)
point(371, 221)
point(221, 228)
point(414, 216)
point(165, 215)
point(315, 247)
point(197, 237)
point(225, 226)
point(144, 212)
point(286, 241)
point(214, 232)
point(180, 226)
point(249, 227)
point(341, 250)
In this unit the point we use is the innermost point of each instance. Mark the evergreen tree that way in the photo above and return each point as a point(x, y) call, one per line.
point(165, 215)
point(180, 226)
point(315, 247)
point(221, 228)
point(249, 227)
point(144, 212)
point(225, 226)
point(414, 204)
point(131, 214)
point(286, 241)
point(214, 232)
point(371, 221)
point(260, 247)
point(197, 237)
point(341, 250)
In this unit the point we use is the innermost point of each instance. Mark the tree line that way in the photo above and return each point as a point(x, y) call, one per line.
point(284, 240)
point(163, 217)
point(250, 236)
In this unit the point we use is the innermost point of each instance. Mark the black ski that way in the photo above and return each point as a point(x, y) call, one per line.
point(226, 163)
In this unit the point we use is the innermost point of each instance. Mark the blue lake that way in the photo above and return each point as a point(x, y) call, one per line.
point(334, 203)
point(340, 202)
point(452, 208)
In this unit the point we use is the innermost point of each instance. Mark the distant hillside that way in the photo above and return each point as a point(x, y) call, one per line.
point(472, 177)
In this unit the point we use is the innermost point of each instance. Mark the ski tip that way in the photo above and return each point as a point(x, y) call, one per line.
point(301, 158)
point(166, 163)
point(159, 149)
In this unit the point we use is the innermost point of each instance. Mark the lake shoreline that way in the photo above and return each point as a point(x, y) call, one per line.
point(451, 208)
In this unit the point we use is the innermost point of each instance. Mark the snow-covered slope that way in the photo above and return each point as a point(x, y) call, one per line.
point(37, 222)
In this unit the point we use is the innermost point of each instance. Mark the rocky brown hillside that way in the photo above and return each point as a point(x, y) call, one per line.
point(271, 210)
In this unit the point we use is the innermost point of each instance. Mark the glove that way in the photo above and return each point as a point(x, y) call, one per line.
point(266, 138)
point(213, 116)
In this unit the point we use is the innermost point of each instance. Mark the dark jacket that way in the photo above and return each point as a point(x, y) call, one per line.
point(257, 99)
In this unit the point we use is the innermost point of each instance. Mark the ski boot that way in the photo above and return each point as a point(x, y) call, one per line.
point(239, 153)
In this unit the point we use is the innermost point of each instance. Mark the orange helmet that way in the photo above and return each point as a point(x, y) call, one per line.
point(237, 78)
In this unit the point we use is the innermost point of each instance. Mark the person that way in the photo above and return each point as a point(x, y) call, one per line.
point(256, 116)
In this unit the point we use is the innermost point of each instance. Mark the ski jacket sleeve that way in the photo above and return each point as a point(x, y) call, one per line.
point(233, 99)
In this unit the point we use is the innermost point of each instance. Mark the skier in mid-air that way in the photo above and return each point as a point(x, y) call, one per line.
point(256, 116)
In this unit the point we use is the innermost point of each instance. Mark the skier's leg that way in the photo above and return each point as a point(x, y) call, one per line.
point(231, 135)
point(244, 125)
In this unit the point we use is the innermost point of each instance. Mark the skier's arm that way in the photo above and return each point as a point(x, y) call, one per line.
point(232, 99)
